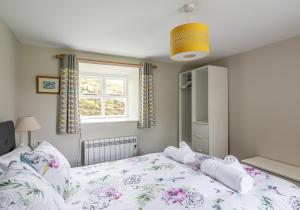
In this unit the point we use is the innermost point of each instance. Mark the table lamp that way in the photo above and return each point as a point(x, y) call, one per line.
point(27, 123)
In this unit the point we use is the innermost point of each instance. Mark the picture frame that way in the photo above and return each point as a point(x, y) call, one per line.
point(47, 85)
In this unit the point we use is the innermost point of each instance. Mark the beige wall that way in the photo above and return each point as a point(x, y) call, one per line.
point(264, 102)
point(9, 60)
point(39, 61)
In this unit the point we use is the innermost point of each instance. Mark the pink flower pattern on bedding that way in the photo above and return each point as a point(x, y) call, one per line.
point(174, 196)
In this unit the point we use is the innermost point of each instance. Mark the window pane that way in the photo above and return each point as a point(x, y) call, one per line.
point(115, 87)
point(90, 86)
point(90, 107)
point(114, 106)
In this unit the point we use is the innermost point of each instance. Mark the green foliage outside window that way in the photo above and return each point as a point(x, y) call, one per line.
point(91, 96)
point(115, 87)
point(90, 107)
point(90, 86)
point(114, 107)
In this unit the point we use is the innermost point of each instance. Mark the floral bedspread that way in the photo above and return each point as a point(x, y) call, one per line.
point(155, 182)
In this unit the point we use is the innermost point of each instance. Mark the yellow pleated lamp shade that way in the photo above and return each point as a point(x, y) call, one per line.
point(189, 42)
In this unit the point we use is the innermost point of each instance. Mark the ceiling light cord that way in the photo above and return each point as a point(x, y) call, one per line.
point(188, 9)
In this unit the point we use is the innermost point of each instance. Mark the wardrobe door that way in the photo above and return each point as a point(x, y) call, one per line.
point(218, 111)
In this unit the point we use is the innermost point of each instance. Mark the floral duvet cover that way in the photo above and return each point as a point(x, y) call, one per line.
point(155, 182)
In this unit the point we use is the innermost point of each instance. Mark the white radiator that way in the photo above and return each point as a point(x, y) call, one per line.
point(103, 150)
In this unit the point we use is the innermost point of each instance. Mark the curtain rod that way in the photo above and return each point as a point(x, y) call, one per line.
point(84, 60)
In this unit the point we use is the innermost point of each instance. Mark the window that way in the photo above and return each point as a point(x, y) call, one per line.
point(108, 93)
point(102, 96)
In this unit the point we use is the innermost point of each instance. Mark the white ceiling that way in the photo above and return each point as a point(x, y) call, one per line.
point(140, 28)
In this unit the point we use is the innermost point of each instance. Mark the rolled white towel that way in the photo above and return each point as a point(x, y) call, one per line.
point(229, 176)
point(232, 161)
point(179, 155)
point(185, 147)
point(173, 153)
point(189, 154)
point(188, 158)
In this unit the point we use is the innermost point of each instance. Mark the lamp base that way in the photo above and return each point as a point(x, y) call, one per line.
point(29, 139)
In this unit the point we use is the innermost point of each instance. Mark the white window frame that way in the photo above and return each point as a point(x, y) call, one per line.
point(103, 77)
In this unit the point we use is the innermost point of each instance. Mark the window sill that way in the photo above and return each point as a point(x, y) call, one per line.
point(112, 120)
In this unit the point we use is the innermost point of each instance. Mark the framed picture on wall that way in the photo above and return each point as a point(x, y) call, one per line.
point(49, 85)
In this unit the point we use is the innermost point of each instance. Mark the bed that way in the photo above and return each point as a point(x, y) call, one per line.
point(155, 181)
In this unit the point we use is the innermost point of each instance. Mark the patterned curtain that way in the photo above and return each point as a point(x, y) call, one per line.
point(146, 109)
point(68, 115)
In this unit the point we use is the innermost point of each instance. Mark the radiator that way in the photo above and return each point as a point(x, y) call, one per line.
point(103, 150)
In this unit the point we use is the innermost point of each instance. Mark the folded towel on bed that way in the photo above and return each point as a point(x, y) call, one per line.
point(180, 155)
point(190, 156)
point(183, 146)
point(232, 177)
point(232, 161)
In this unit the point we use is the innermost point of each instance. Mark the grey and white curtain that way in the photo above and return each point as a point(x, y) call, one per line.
point(146, 108)
point(68, 115)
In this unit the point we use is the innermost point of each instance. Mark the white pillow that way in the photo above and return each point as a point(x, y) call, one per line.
point(51, 164)
point(23, 188)
point(13, 155)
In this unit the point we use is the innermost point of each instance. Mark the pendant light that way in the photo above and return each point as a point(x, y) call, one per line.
point(189, 41)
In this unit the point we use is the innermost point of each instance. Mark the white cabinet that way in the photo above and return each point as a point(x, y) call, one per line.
point(200, 144)
point(200, 137)
point(203, 110)
point(200, 129)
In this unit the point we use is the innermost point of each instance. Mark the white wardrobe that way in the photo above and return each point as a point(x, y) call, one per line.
point(203, 110)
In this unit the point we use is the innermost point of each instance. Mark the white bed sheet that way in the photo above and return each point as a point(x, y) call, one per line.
point(155, 182)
